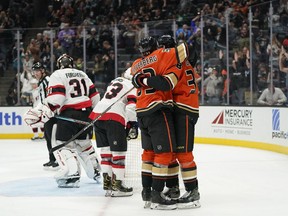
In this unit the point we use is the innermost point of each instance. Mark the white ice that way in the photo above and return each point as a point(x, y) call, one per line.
point(233, 181)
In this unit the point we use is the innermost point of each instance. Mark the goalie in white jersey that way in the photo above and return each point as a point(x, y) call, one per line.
point(72, 95)
point(111, 134)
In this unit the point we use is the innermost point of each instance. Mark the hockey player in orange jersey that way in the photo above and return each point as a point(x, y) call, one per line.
point(182, 80)
point(154, 112)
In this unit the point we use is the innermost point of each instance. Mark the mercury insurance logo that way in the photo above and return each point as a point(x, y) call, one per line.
point(233, 121)
point(276, 132)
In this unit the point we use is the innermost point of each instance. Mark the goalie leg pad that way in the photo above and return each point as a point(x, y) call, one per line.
point(70, 172)
point(88, 159)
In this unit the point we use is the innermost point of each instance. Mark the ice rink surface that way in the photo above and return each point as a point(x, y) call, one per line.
point(233, 181)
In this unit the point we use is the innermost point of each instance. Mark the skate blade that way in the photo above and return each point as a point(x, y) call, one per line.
point(147, 205)
point(190, 205)
point(121, 194)
point(156, 206)
point(108, 193)
point(51, 168)
point(70, 185)
point(98, 179)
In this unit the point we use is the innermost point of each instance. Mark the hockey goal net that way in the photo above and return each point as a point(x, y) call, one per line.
point(133, 163)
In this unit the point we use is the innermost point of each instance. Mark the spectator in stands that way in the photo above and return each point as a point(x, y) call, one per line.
point(27, 62)
point(2, 63)
point(283, 61)
point(66, 37)
point(57, 51)
point(261, 45)
point(243, 41)
point(77, 50)
point(109, 66)
point(46, 57)
point(79, 64)
point(184, 31)
point(240, 79)
point(26, 89)
point(34, 49)
point(214, 86)
point(92, 43)
point(11, 98)
point(272, 96)
point(98, 68)
point(106, 48)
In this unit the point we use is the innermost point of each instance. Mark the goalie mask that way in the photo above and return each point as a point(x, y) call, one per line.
point(65, 61)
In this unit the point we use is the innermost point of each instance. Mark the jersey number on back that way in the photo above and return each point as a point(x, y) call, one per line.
point(78, 91)
point(113, 92)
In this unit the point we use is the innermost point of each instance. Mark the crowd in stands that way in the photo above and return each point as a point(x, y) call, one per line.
point(94, 21)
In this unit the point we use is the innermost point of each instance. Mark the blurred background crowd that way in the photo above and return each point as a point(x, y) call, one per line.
point(238, 47)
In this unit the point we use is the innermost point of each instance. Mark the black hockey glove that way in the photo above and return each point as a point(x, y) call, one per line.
point(132, 130)
point(137, 80)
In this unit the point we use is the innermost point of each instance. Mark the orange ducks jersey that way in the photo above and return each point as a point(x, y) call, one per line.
point(185, 92)
point(157, 63)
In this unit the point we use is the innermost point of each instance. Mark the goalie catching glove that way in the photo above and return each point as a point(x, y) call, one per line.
point(32, 117)
point(132, 130)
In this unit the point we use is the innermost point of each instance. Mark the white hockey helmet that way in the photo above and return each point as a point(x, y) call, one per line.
point(127, 74)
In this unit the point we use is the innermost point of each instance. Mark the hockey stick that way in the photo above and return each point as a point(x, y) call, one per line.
point(90, 124)
point(72, 120)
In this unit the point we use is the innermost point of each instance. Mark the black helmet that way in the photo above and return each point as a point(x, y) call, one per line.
point(147, 45)
point(38, 66)
point(64, 61)
point(167, 41)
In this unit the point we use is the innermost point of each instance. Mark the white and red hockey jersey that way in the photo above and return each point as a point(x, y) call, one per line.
point(70, 88)
point(123, 110)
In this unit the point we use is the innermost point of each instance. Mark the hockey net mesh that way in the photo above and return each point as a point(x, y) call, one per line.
point(133, 163)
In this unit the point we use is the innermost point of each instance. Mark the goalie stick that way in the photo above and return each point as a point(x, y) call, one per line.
point(72, 120)
point(90, 124)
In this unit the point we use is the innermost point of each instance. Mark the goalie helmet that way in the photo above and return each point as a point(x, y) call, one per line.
point(167, 41)
point(147, 45)
point(127, 74)
point(65, 61)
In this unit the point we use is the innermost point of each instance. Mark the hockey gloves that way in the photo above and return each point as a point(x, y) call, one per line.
point(132, 130)
point(46, 113)
point(32, 117)
point(137, 80)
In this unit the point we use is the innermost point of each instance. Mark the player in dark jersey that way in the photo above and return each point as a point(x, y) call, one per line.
point(181, 78)
point(154, 112)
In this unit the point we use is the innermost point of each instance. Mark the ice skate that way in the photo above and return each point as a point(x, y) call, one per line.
point(51, 165)
point(119, 189)
point(189, 200)
point(70, 181)
point(97, 176)
point(173, 192)
point(160, 202)
point(35, 138)
point(107, 184)
point(146, 197)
